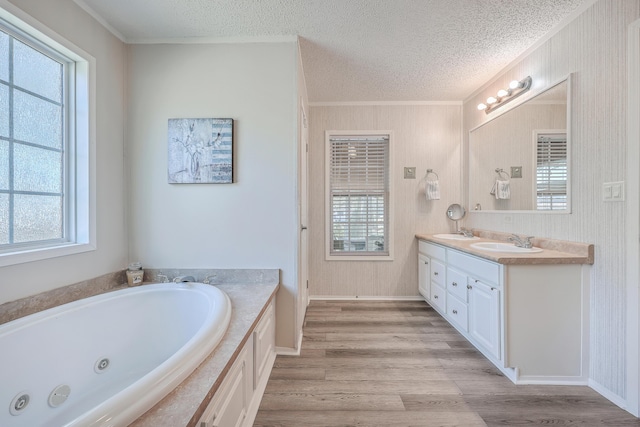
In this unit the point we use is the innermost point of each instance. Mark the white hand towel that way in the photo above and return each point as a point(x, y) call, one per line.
point(503, 190)
point(432, 190)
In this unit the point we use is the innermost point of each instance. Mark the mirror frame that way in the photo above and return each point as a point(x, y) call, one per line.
point(516, 104)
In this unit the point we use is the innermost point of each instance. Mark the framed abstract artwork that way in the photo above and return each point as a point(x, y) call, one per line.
point(200, 151)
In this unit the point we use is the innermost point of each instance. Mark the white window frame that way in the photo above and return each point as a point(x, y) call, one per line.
point(80, 137)
point(354, 256)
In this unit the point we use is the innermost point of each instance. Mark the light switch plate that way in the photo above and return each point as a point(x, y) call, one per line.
point(410, 173)
point(613, 191)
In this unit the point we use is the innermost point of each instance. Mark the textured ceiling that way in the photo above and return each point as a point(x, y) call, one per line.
point(360, 50)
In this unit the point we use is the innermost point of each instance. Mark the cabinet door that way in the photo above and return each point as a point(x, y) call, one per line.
point(263, 345)
point(229, 406)
point(424, 276)
point(484, 316)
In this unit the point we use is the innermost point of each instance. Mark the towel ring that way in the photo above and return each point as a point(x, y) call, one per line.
point(430, 171)
point(501, 171)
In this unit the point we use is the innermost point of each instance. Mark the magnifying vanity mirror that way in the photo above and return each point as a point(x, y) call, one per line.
point(524, 154)
point(455, 212)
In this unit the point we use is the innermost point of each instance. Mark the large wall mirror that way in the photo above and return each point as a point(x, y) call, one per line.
point(520, 160)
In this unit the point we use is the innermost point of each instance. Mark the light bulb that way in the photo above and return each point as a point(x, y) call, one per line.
point(515, 84)
point(482, 107)
point(502, 93)
point(491, 100)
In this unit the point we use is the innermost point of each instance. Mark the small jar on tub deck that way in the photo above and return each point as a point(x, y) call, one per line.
point(135, 274)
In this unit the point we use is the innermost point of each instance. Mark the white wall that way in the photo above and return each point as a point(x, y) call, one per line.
point(594, 48)
point(424, 136)
point(68, 20)
point(251, 223)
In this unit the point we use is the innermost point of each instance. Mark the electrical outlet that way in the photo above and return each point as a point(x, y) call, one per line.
point(410, 173)
point(516, 171)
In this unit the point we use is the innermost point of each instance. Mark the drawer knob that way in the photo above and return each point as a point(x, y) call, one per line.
point(469, 287)
point(454, 284)
point(435, 273)
point(455, 311)
point(435, 297)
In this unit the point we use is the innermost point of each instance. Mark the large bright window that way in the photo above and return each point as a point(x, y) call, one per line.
point(358, 198)
point(44, 146)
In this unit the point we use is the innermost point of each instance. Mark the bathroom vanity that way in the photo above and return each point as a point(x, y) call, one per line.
point(526, 312)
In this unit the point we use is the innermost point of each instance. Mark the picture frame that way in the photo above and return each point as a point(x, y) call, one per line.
point(200, 151)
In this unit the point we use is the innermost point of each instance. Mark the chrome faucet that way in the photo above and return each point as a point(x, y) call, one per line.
point(466, 232)
point(521, 242)
point(181, 279)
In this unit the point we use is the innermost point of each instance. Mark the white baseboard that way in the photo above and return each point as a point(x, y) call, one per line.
point(608, 394)
point(364, 298)
point(288, 351)
point(535, 380)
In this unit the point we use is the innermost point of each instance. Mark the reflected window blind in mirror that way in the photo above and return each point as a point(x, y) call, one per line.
point(551, 171)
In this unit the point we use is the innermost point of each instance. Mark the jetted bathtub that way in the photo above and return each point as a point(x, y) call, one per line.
point(105, 360)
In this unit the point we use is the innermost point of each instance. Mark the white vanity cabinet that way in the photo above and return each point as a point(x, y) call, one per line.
point(236, 401)
point(529, 319)
point(432, 275)
point(424, 276)
point(484, 316)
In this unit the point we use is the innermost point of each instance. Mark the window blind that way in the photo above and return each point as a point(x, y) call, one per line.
point(359, 194)
point(551, 172)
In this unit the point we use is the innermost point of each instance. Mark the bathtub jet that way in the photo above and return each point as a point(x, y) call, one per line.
point(105, 360)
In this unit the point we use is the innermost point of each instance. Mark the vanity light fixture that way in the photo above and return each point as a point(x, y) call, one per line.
point(516, 88)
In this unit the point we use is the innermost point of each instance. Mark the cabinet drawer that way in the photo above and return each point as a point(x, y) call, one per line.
point(438, 297)
point(438, 273)
point(434, 251)
point(457, 284)
point(480, 269)
point(457, 313)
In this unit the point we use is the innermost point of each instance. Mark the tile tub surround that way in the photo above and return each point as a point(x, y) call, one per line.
point(555, 251)
point(217, 276)
point(25, 306)
point(118, 280)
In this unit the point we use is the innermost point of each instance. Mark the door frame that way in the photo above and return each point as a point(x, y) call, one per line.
point(632, 223)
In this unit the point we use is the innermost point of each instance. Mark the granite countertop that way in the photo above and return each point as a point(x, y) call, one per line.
point(554, 251)
point(186, 403)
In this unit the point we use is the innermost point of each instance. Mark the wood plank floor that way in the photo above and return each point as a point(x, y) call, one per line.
point(400, 364)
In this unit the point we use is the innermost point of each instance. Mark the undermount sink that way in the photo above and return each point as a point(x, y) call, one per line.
point(503, 247)
point(452, 236)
